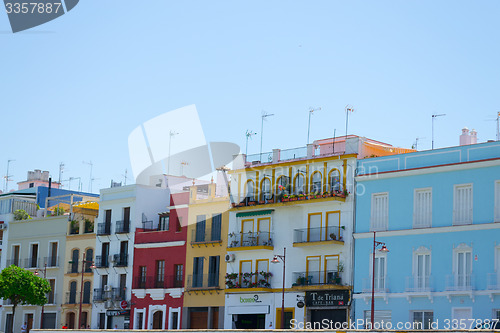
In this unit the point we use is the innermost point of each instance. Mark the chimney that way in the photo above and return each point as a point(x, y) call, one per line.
point(465, 138)
point(473, 137)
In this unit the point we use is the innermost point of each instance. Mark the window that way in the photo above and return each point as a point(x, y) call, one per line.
point(198, 272)
point(245, 267)
point(283, 185)
point(72, 293)
point(265, 188)
point(8, 323)
point(142, 277)
point(289, 315)
point(160, 273)
point(89, 258)
point(86, 292)
point(313, 266)
point(107, 218)
point(104, 255)
point(299, 184)
point(104, 280)
point(74, 261)
point(263, 234)
point(422, 319)
point(380, 269)
point(15, 254)
point(34, 256)
point(178, 271)
point(497, 201)
point(316, 182)
point(213, 271)
point(262, 265)
point(422, 208)
point(462, 204)
point(379, 212)
point(463, 268)
point(216, 227)
point(331, 269)
point(50, 295)
point(422, 270)
point(52, 260)
point(164, 223)
point(179, 224)
point(200, 228)
point(31, 185)
point(249, 190)
point(315, 230)
point(334, 178)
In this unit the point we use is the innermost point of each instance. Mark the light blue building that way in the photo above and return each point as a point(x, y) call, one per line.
point(438, 213)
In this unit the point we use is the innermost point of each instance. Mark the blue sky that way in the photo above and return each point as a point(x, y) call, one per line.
point(73, 89)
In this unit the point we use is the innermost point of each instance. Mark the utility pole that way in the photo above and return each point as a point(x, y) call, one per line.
point(311, 111)
point(249, 135)
point(7, 177)
point(434, 117)
point(264, 115)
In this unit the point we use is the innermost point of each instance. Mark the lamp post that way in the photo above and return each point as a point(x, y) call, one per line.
point(45, 277)
point(384, 250)
point(276, 261)
point(81, 288)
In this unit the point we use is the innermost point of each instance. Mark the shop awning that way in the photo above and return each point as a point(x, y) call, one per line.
point(255, 213)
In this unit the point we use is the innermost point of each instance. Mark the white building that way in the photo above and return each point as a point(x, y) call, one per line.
point(121, 210)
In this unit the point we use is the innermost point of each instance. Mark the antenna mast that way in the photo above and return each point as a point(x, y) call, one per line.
point(311, 111)
point(61, 168)
point(7, 177)
point(434, 117)
point(264, 115)
point(348, 108)
point(249, 135)
point(91, 179)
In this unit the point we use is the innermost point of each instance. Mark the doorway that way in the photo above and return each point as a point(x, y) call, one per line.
point(157, 320)
point(29, 322)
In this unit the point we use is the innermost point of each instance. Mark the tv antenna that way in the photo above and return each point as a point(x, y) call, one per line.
point(434, 117)
point(125, 177)
point(311, 111)
point(183, 163)
point(91, 179)
point(7, 177)
point(249, 135)
point(79, 182)
point(61, 170)
point(172, 134)
point(415, 145)
point(348, 108)
point(264, 116)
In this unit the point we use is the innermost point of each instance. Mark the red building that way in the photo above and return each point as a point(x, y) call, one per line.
point(158, 270)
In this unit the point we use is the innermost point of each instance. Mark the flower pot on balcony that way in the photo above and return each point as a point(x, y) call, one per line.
point(262, 202)
point(252, 203)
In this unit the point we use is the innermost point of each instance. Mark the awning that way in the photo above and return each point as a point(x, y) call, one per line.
point(255, 213)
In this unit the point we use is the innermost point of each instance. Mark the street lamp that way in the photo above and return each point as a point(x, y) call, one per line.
point(276, 260)
point(383, 249)
point(92, 266)
point(37, 273)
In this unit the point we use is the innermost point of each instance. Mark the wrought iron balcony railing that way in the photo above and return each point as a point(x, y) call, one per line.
point(120, 260)
point(460, 282)
point(200, 236)
point(309, 235)
point(316, 278)
point(381, 284)
point(122, 227)
point(119, 294)
point(101, 261)
point(104, 228)
point(202, 281)
point(419, 283)
point(99, 295)
point(153, 282)
point(493, 282)
point(245, 239)
point(52, 261)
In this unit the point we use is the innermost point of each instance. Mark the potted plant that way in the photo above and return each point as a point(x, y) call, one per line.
point(333, 236)
point(74, 227)
point(301, 196)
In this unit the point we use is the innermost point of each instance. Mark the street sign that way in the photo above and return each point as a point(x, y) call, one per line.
point(123, 304)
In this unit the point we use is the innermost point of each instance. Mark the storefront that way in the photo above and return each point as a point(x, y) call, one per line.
point(248, 311)
point(332, 305)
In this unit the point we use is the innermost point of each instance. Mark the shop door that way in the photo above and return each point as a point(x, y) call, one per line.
point(250, 321)
point(215, 318)
point(332, 315)
point(49, 320)
point(29, 322)
point(198, 319)
point(157, 320)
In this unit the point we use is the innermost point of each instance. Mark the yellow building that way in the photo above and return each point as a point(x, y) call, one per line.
point(78, 261)
point(206, 250)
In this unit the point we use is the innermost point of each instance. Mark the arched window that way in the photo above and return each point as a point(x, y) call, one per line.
point(89, 257)
point(298, 185)
point(72, 293)
point(283, 185)
point(74, 261)
point(265, 189)
point(86, 292)
point(249, 190)
point(316, 182)
point(334, 179)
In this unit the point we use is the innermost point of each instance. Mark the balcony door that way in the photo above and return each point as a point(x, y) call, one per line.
point(198, 272)
point(464, 269)
point(313, 270)
point(246, 232)
point(315, 232)
point(423, 271)
point(379, 280)
point(263, 226)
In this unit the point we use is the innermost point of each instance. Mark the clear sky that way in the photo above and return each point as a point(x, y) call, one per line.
point(73, 89)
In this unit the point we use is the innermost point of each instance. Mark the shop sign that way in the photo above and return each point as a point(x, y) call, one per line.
point(327, 298)
point(118, 312)
point(254, 299)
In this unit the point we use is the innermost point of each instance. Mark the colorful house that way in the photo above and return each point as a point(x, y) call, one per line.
point(437, 212)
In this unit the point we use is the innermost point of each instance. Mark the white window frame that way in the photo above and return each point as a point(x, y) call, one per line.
point(378, 255)
point(455, 204)
point(136, 312)
point(497, 201)
point(421, 251)
point(50, 249)
point(412, 318)
point(462, 248)
point(38, 254)
point(385, 223)
point(425, 224)
point(171, 316)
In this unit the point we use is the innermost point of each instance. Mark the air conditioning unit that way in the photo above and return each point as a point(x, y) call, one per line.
point(107, 288)
point(229, 257)
point(3, 226)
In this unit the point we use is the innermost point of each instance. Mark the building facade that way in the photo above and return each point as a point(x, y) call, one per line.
point(159, 264)
point(437, 212)
point(204, 295)
point(121, 211)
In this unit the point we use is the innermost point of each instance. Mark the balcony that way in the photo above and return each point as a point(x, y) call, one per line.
point(74, 227)
point(99, 295)
point(122, 227)
point(74, 298)
point(120, 260)
point(202, 281)
point(303, 279)
point(419, 284)
point(207, 236)
point(460, 282)
point(32, 263)
point(152, 282)
point(104, 229)
point(235, 281)
point(101, 261)
point(15, 262)
point(317, 236)
point(250, 240)
point(51, 261)
point(51, 298)
point(285, 198)
point(119, 294)
point(73, 268)
point(493, 281)
point(381, 285)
